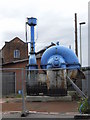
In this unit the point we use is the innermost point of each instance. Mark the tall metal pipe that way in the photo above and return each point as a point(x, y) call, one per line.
point(32, 39)
point(32, 59)
point(32, 22)
point(76, 43)
point(81, 43)
point(31, 73)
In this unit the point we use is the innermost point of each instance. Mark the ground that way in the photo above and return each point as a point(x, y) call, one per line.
point(12, 108)
point(61, 107)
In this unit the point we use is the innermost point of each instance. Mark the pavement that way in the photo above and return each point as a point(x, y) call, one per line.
point(43, 115)
point(38, 115)
point(12, 109)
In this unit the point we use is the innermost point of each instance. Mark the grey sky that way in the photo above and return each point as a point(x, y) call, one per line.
point(55, 21)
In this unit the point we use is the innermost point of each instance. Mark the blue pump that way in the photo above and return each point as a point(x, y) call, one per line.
point(59, 57)
point(54, 57)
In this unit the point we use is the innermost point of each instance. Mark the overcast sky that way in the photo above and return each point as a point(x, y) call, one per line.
point(55, 21)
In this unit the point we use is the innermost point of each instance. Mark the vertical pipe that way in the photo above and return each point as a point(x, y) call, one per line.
point(81, 43)
point(70, 47)
point(80, 47)
point(76, 45)
point(26, 31)
point(32, 39)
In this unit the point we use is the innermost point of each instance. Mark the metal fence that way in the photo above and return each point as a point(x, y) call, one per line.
point(12, 81)
point(8, 83)
point(33, 82)
point(36, 82)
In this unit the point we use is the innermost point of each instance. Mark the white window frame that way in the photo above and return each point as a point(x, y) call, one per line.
point(16, 53)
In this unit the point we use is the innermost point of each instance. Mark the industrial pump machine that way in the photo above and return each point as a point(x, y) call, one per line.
point(57, 62)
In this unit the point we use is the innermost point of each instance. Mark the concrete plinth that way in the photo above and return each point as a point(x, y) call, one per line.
point(47, 98)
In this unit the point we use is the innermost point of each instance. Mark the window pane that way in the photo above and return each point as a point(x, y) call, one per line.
point(16, 54)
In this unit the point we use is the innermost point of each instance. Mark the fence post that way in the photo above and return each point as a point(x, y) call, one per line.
point(23, 99)
point(15, 84)
point(89, 53)
point(1, 82)
point(88, 88)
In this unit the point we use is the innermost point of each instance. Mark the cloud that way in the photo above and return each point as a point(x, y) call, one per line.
point(55, 20)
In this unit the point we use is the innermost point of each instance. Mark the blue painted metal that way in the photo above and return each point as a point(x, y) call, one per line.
point(56, 61)
point(32, 59)
point(59, 57)
point(32, 39)
point(32, 62)
point(32, 21)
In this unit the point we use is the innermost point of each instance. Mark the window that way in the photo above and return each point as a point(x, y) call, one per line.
point(16, 53)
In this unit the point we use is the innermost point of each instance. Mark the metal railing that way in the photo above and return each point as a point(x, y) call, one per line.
point(35, 82)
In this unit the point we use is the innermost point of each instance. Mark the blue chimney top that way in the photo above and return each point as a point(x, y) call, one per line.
point(32, 21)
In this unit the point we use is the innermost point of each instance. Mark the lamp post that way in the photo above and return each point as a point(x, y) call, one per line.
point(81, 23)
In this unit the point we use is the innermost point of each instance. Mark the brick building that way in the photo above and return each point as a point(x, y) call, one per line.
point(14, 50)
point(14, 58)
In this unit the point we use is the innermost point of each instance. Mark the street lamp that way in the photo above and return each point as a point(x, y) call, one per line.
point(82, 23)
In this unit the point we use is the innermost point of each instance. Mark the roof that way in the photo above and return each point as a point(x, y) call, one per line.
point(13, 62)
point(42, 50)
point(16, 38)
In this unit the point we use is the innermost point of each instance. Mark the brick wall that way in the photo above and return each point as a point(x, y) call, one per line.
point(18, 73)
point(15, 44)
